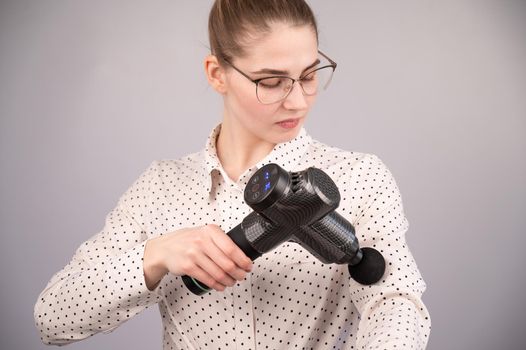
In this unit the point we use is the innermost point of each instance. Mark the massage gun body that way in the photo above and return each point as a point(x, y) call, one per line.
point(300, 216)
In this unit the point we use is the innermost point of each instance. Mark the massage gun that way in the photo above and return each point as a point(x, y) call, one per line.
point(299, 207)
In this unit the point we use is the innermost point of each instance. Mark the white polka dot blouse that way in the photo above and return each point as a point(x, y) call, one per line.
point(290, 300)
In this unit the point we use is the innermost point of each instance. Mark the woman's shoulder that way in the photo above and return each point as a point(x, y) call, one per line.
point(337, 156)
point(189, 162)
point(359, 171)
point(184, 168)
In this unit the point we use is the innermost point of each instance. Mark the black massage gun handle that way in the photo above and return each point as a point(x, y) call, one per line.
point(239, 237)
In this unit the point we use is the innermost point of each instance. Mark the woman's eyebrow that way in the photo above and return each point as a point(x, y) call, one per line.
point(283, 72)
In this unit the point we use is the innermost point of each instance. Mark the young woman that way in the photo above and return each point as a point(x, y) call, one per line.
point(172, 221)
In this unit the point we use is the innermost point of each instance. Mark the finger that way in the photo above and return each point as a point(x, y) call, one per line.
point(205, 278)
point(220, 276)
point(224, 262)
point(231, 250)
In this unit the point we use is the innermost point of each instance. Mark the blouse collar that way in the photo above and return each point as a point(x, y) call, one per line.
point(286, 154)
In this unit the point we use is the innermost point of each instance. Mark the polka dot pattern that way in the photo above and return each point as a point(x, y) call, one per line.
point(290, 300)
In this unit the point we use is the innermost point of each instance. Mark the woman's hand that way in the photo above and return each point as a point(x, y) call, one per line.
point(205, 253)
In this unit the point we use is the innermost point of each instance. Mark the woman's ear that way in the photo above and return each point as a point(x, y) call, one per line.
point(215, 74)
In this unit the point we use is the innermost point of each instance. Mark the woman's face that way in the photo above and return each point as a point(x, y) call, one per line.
point(288, 49)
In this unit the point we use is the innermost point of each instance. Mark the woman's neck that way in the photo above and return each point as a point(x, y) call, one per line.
point(238, 150)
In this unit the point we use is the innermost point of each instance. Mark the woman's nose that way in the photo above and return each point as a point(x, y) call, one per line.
point(295, 99)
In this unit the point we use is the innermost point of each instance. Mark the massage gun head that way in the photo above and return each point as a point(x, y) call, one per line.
point(371, 267)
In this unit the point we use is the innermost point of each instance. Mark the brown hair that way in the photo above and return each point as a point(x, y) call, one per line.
point(233, 23)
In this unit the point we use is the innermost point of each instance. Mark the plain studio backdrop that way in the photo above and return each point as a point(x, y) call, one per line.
point(91, 92)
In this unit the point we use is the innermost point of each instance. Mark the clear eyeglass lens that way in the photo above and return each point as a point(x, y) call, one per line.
point(274, 89)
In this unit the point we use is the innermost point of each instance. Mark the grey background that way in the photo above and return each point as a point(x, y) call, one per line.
point(91, 92)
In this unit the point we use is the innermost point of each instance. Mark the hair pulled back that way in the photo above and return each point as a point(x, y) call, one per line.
point(233, 24)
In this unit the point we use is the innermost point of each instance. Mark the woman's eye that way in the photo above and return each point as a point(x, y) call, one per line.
point(270, 82)
point(310, 76)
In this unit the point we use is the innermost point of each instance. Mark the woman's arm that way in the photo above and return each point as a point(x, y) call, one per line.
point(116, 273)
point(393, 315)
point(103, 284)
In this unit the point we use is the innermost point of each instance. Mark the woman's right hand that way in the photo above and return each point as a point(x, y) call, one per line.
point(205, 253)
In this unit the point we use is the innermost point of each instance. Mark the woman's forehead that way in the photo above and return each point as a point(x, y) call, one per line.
point(285, 48)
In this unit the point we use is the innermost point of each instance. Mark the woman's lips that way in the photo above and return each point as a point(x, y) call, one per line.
point(289, 123)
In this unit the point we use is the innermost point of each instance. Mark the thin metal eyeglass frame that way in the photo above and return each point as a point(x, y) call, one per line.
point(299, 80)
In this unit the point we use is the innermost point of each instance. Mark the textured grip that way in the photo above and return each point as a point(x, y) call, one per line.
point(331, 239)
point(262, 234)
point(325, 188)
point(240, 238)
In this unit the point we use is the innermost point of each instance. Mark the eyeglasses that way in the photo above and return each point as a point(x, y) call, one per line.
point(273, 89)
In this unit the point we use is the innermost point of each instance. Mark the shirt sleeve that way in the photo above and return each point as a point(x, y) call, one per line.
point(392, 314)
point(103, 284)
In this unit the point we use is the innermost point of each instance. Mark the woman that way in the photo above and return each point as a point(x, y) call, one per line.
point(172, 221)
